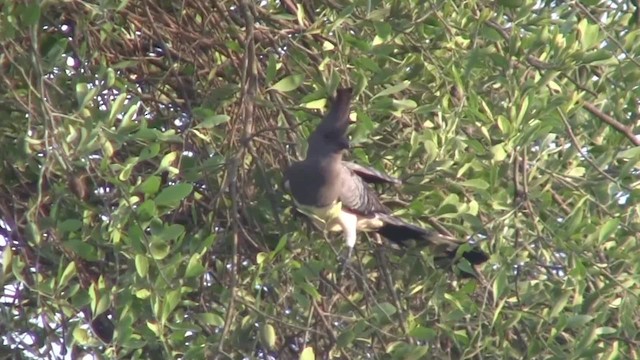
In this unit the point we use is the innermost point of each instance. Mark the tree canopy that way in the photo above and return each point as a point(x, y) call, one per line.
point(142, 144)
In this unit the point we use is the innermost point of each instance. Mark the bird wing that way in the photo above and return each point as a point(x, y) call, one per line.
point(371, 175)
point(357, 196)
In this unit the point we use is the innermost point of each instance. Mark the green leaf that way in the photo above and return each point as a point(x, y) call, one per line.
point(213, 121)
point(588, 34)
point(498, 152)
point(416, 353)
point(142, 265)
point(194, 267)
point(404, 104)
point(513, 4)
point(70, 225)
point(608, 229)
point(605, 330)
point(99, 302)
point(82, 249)
point(7, 257)
point(345, 339)
point(524, 107)
point(159, 249)
point(310, 289)
point(578, 321)
point(393, 89)
point(127, 122)
point(81, 335)
point(383, 31)
point(211, 319)
point(149, 152)
point(475, 184)
point(361, 83)
point(84, 94)
point(261, 257)
point(67, 274)
point(111, 77)
point(281, 244)
point(316, 104)
point(576, 171)
point(155, 327)
point(171, 301)
point(271, 69)
point(630, 153)
point(31, 14)
point(267, 336)
point(560, 303)
point(500, 284)
point(172, 195)
point(147, 210)
point(384, 310)
point(423, 333)
point(116, 107)
point(126, 171)
point(143, 293)
point(32, 233)
point(150, 186)
point(586, 339)
point(289, 83)
point(404, 351)
point(598, 57)
point(170, 232)
point(463, 265)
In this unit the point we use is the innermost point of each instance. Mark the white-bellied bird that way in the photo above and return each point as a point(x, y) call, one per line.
point(336, 193)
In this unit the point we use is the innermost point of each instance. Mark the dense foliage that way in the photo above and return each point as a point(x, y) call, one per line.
point(141, 153)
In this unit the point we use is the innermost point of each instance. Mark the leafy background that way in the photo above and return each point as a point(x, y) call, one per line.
point(141, 207)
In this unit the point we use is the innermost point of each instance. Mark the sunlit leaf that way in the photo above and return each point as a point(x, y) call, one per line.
point(69, 272)
point(307, 354)
point(194, 267)
point(289, 83)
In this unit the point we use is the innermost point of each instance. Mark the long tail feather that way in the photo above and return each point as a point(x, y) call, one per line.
point(401, 233)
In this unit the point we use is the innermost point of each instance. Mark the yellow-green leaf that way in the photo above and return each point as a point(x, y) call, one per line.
point(142, 265)
point(289, 83)
point(268, 336)
point(307, 354)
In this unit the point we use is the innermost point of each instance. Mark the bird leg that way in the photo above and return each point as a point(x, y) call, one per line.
point(349, 223)
point(344, 259)
point(343, 264)
point(349, 252)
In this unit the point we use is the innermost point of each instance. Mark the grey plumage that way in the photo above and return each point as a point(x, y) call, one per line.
point(371, 175)
point(314, 180)
point(337, 193)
